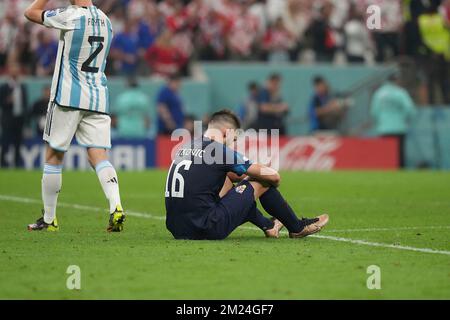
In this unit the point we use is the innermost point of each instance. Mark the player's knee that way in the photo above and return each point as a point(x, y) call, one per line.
point(53, 156)
point(96, 156)
point(258, 188)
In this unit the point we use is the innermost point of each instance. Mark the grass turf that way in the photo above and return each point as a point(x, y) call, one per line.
point(144, 262)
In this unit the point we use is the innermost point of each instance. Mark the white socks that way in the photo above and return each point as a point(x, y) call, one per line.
point(51, 186)
point(110, 184)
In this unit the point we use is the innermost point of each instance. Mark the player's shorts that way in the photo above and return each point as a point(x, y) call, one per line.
point(91, 129)
point(233, 210)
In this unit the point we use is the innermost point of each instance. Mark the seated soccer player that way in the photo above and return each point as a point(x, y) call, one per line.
point(202, 202)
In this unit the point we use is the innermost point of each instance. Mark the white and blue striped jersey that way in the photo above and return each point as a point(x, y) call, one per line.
point(79, 79)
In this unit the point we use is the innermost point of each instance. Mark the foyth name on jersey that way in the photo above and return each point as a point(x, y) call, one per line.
point(96, 22)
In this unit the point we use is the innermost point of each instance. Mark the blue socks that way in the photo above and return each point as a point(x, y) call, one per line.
point(275, 205)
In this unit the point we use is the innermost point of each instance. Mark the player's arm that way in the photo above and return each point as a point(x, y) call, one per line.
point(264, 174)
point(35, 12)
point(165, 115)
point(235, 177)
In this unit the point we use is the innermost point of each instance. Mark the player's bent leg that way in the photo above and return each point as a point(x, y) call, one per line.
point(274, 203)
point(110, 184)
point(258, 191)
point(235, 208)
point(227, 186)
point(51, 186)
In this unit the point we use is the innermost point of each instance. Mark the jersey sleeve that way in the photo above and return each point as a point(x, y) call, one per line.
point(62, 18)
point(236, 162)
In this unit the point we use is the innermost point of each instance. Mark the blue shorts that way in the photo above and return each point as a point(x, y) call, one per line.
point(233, 210)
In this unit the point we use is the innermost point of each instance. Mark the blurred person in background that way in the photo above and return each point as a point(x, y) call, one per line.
point(278, 42)
point(436, 46)
point(181, 25)
point(9, 29)
point(357, 40)
point(46, 53)
point(125, 49)
point(387, 38)
point(189, 123)
point(321, 35)
point(392, 109)
point(164, 58)
point(13, 107)
point(272, 111)
point(131, 111)
point(38, 111)
point(248, 111)
point(296, 16)
point(325, 111)
point(170, 107)
point(211, 38)
point(243, 35)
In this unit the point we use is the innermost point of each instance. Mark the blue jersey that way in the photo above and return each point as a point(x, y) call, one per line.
point(172, 101)
point(79, 80)
point(193, 182)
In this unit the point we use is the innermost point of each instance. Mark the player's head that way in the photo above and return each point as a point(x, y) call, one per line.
point(320, 85)
point(174, 82)
point(225, 123)
point(274, 82)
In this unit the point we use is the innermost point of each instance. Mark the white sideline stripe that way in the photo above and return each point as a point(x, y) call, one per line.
point(156, 217)
point(388, 229)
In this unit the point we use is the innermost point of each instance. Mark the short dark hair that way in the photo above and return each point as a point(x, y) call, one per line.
point(253, 85)
point(318, 80)
point(275, 77)
point(174, 77)
point(226, 115)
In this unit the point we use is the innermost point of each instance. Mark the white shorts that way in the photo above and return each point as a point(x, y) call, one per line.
point(91, 129)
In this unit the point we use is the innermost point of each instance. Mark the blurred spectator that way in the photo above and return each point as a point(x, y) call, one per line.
point(180, 25)
point(325, 112)
point(132, 112)
point(9, 28)
point(189, 123)
point(39, 109)
point(321, 35)
point(357, 37)
point(258, 8)
point(125, 49)
point(13, 106)
point(170, 107)
point(296, 16)
point(272, 109)
point(248, 111)
point(436, 41)
point(46, 53)
point(244, 32)
point(387, 39)
point(392, 108)
point(278, 42)
point(168, 7)
point(164, 58)
point(213, 30)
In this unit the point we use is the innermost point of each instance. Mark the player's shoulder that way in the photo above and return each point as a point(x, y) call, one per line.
point(63, 11)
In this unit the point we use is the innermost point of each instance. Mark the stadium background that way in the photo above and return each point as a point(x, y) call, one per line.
point(219, 46)
point(397, 220)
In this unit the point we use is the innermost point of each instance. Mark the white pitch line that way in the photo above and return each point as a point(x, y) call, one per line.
point(156, 217)
point(388, 229)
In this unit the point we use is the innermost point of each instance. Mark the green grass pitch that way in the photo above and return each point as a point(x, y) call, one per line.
point(401, 218)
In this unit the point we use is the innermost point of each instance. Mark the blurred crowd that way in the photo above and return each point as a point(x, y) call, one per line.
point(161, 37)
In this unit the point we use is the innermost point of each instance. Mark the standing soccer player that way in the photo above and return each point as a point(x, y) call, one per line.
point(79, 103)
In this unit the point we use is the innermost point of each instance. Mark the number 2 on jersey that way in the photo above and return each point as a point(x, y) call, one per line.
point(177, 193)
point(86, 65)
